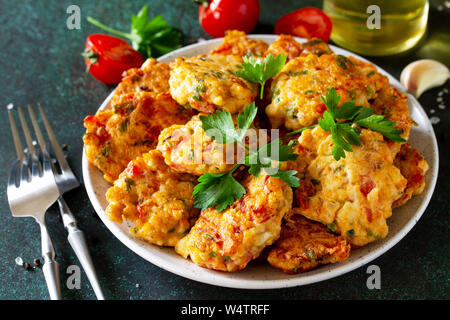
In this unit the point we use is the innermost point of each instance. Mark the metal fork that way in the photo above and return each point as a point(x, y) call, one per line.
point(66, 181)
point(31, 191)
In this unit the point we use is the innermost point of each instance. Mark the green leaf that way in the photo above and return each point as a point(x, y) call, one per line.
point(222, 123)
point(347, 111)
point(327, 121)
point(365, 113)
point(151, 38)
point(219, 190)
point(289, 177)
point(245, 120)
point(379, 124)
point(264, 158)
point(259, 71)
point(331, 101)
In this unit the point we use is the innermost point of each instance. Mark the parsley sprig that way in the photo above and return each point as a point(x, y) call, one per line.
point(259, 70)
point(221, 190)
point(341, 121)
point(151, 38)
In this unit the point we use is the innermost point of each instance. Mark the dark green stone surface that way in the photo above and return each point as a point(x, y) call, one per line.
point(40, 62)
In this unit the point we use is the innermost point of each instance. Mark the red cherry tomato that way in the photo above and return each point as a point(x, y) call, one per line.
point(218, 16)
point(307, 23)
point(107, 57)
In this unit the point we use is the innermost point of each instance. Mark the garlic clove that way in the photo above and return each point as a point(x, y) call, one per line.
point(421, 75)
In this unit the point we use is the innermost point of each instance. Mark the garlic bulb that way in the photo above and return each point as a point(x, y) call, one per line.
point(421, 75)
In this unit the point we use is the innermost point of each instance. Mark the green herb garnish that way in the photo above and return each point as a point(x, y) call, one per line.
point(151, 38)
point(222, 190)
point(343, 132)
point(260, 70)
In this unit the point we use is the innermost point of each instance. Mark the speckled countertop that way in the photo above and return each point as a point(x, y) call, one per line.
point(40, 62)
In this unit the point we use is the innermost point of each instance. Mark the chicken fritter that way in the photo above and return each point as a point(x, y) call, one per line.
point(229, 240)
point(286, 45)
point(393, 105)
point(129, 128)
point(413, 167)
point(152, 76)
point(208, 83)
point(304, 244)
point(238, 44)
point(187, 148)
point(154, 197)
point(352, 196)
point(315, 46)
point(296, 91)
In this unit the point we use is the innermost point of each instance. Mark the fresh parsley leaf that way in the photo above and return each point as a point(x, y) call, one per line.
point(344, 135)
point(245, 120)
point(259, 70)
point(222, 123)
point(289, 177)
point(331, 101)
point(264, 159)
point(219, 190)
point(151, 38)
point(379, 124)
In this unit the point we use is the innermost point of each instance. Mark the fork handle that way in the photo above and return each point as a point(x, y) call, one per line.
point(78, 243)
point(50, 267)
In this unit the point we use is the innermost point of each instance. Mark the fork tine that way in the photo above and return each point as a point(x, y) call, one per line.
point(56, 147)
point(26, 131)
point(37, 130)
point(24, 167)
point(35, 164)
point(15, 133)
point(46, 162)
point(12, 179)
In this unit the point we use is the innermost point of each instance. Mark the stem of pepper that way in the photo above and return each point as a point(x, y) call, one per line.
point(106, 28)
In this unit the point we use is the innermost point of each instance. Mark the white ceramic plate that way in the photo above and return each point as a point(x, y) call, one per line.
point(259, 275)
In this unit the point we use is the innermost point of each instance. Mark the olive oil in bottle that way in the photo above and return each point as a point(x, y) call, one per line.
point(377, 27)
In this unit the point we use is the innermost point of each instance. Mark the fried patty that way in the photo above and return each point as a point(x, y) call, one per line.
point(209, 83)
point(155, 198)
point(152, 76)
point(289, 47)
point(296, 91)
point(129, 128)
point(238, 44)
point(413, 167)
point(353, 196)
point(229, 240)
point(187, 148)
point(304, 245)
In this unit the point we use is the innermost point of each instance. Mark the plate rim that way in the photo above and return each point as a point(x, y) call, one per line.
point(297, 280)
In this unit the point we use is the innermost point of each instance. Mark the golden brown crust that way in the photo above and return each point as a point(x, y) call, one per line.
point(296, 91)
point(154, 197)
point(229, 240)
point(304, 245)
point(237, 43)
point(413, 167)
point(288, 46)
point(354, 195)
point(131, 127)
point(188, 149)
point(153, 76)
point(209, 83)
